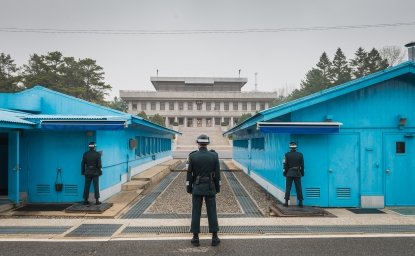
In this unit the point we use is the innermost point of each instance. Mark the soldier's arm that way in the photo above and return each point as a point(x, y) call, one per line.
point(189, 178)
point(99, 165)
point(284, 166)
point(217, 176)
point(302, 165)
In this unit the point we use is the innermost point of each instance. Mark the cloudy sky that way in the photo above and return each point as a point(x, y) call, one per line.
point(131, 39)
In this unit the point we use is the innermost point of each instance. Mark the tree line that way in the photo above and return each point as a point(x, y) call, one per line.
point(81, 78)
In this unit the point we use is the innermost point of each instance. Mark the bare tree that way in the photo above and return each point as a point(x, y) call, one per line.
point(394, 54)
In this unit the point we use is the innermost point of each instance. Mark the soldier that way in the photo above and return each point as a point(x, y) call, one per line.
point(203, 181)
point(293, 171)
point(91, 168)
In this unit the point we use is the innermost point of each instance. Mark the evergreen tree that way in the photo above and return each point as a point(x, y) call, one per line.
point(9, 78)
point(81, 78)
point(118, 104)
point(158, 119)
point(375, 61)
point(243, 117)
point(359, 63)
point(325, 66)
point(143, 115)
point(340, 70)
point(315, 81)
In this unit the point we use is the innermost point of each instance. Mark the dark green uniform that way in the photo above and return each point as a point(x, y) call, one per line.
point(91, 169)
point(203, 181)
point(293, 171)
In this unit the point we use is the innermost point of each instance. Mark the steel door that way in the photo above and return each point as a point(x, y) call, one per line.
point(343, 170)
point(14, 167)
point(399, 169)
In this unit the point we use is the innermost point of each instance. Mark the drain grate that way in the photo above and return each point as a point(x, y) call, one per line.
point(248, 206)
point(276, 229)
point(94, 230)
point(139, 208)
point(33, 230)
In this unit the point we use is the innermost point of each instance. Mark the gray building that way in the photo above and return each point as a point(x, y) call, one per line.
point(197, 101)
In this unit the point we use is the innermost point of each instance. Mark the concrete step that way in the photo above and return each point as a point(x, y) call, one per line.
point(135, 185)
point(156, 173)
point(6, 207)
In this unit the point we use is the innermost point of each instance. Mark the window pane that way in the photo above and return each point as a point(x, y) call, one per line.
point(400, 147)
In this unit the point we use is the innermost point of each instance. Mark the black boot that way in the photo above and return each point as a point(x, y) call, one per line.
point(85, 202)
point(215, 239)
point(195, 239)
point(97, 202)
point(286, 203)
point(300, 204)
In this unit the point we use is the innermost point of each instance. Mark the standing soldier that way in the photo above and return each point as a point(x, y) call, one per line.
point(203, 181)
point(91, 169)
point(293, 171)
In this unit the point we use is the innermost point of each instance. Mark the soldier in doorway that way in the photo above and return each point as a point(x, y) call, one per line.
point(203, 181)
point(91, 168)
point(293, 171)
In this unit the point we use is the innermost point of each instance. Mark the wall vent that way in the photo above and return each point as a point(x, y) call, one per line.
point(70, 190)
point(343, 192)
point(312, 192)
point(42, 189)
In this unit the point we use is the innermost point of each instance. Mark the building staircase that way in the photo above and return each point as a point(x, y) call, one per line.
point(186, 143)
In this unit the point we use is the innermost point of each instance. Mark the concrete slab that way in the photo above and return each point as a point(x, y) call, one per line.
point(135, 185)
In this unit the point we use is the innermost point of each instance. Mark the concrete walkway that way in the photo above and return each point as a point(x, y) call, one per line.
point(142, 213)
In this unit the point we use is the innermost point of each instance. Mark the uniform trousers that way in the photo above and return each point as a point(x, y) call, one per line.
point(197, 212)
point(288, 184)
point(88, 180)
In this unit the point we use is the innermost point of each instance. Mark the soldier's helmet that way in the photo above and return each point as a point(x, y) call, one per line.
point(293, 145)
point(92, 144)
point(203, 139)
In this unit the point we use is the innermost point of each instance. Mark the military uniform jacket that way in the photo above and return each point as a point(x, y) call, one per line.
point(91, 163)
point(203, 163)
point(293, 164)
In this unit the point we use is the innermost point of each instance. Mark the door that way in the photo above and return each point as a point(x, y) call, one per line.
point(343, 170)
point(4, 163)
point(14, 167)
point(399, 169)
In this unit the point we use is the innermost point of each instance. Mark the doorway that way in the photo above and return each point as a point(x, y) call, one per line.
point(4, 164)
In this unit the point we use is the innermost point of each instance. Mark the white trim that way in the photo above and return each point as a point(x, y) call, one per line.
point(301, 123)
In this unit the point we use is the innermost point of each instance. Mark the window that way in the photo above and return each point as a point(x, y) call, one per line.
point(189, 105)
point(217, 120)
point(258, 143)
point(253, 106)
point(262, 106)
point(171, 120)
point(226, 106)
point(162, 106)
point(180, 120)
point(180, 105)
point(235, 106)
point(199, 105)
point(134, 106)
point(244, 106)
point(240, 143)
point(190, 122)
point(217, 106)
point(171, 105)
point(400, 147)
point(153, 106)
point(144, 106)
point(208, 106)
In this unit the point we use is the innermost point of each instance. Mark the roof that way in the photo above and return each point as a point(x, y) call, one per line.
point(13, 119)
point(324, 95)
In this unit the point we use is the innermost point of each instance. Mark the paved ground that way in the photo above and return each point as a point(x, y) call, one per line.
point(163, 212)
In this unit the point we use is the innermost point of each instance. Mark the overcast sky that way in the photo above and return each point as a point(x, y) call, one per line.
point(130, 58)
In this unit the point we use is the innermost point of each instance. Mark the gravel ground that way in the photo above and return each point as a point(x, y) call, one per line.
point(262, 198)
point(175, 199)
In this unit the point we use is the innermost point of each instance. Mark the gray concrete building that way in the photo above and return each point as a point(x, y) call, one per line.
point(197, 101)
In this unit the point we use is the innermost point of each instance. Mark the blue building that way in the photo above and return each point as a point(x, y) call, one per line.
point(357, 139)
point(44, 133)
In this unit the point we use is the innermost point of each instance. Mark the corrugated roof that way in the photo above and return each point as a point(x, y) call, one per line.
point(13, 117)
point(75, 117)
